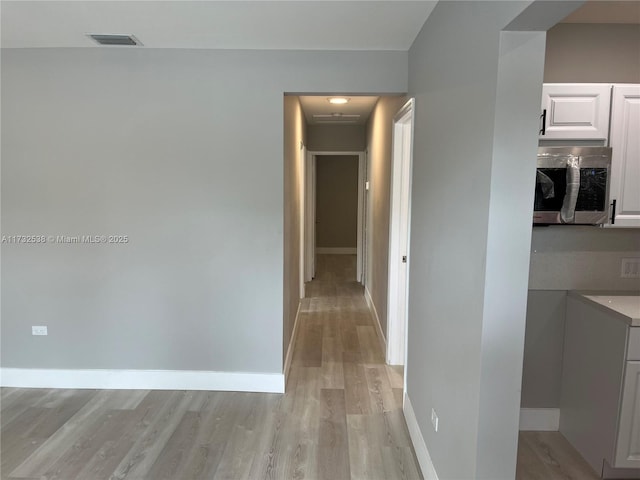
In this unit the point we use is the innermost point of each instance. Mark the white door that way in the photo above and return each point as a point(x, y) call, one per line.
point(575, 111)
point(310, 218)
point(399, 235)
point(625, 161)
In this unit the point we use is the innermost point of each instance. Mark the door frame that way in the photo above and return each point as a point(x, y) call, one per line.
point(399, 234)
point(309, 196)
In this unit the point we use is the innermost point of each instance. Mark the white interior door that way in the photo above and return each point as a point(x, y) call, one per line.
point(360, 233)
point(399, 235)
point(310, 218)
point(301, 186)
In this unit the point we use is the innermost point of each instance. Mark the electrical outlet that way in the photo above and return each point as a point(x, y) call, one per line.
point(39, 330)
point(630, 268)
point(434, 419)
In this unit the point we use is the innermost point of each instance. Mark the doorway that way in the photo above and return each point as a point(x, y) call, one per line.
point(399, 226)
point(332, 240)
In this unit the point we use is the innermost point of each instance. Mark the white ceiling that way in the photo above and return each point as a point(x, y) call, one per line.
point(319, 105)
point(236, 24)
point(610, 11)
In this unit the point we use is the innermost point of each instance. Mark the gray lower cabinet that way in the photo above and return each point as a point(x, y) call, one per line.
point(600, 393)
point(628, 442)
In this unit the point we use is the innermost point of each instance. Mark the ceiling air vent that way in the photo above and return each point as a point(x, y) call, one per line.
point(123, 40)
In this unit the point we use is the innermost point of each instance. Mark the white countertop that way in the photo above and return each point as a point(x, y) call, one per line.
point(628, 306)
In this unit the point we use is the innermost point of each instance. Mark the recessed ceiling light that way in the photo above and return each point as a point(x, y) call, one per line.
point(338, 100)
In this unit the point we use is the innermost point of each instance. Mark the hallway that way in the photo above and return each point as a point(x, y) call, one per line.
point(341, 417)
point(354, 399)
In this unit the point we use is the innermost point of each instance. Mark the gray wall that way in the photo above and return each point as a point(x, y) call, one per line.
point(183, 152)
point(591, 53)
point(379, 141)
point(336, 138)
point(543, 347)
point(294, 135)
point(582, 258)
point(477, 101)
point(336, 201)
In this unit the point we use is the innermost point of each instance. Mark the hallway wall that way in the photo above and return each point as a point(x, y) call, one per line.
point(295, 134)
point(379, 144)
point(336, 138)
point(336, 201)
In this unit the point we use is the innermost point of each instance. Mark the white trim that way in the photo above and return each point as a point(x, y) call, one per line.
point(309, 196)
point(337, 250)
point(360, 221)
point(399, 234)
point(376, 318)
point(301, 199)
point(422, 454)
point(540, 419)
point(143, 380)
point(359, 250)
point(287, 362)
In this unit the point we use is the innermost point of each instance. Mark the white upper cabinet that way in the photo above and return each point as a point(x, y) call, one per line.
point(575, 111)
point(625, 161)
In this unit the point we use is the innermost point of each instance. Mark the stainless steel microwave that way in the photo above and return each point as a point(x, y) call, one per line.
point(572, 185)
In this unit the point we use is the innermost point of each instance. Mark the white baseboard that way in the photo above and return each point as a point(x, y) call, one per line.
point(337, 250)
point(540, 419)
point(143, 380)
point(294, 332)
point(372, 307)
point(422, 454)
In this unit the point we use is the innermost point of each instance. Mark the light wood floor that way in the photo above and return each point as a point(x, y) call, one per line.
point(341, 417)
point(549, 456)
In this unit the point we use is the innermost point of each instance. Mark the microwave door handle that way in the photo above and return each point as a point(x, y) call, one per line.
point(613, 212)
point(568, 210)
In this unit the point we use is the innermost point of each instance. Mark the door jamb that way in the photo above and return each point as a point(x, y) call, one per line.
point(310, 213)
point(397, 328)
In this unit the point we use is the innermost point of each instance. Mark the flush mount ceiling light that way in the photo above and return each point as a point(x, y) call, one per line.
point(338, 100)
point(109, 39)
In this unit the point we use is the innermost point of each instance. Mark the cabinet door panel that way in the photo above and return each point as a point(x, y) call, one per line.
point(628, 443)
point(625, 161)
point(576, 111)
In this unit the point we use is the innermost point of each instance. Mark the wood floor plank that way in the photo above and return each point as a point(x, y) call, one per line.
point(380, 392)
point(310, 353)
point(72, 462)
point(529, 466)
point(396, 375)
point(333, 442)
point(217, 424)
point(145, 451)
point(16, 447)
point(560, 459)
point(369, 345)
point(332, 371)
point(55, 446)
point(399, 462)
point(23, 401)
point(365, 458)
point(356, 388)
point(170, 461)
point(132, 426)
